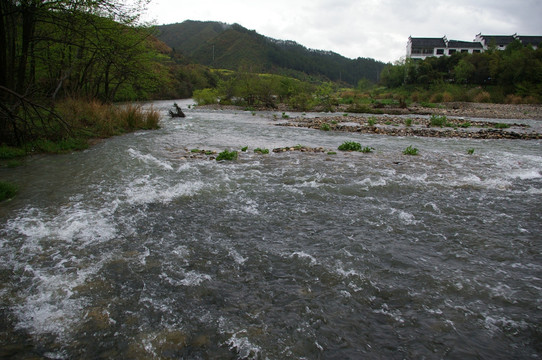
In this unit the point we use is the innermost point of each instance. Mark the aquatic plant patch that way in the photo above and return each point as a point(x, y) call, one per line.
point(438, 120)
point(227, 155)
point(410, 150)
point(325, 127)
point(350, 146)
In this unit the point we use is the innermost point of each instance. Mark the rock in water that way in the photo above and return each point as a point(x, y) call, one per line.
point(177, 113)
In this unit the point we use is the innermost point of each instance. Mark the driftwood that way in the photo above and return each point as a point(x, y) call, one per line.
point(177, 113)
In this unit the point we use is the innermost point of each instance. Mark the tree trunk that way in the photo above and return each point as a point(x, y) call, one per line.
point(28, 22)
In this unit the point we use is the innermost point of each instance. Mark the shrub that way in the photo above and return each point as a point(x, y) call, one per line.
point(350, 146)
point(371, 121)
point(261, 151)
point(325, 127)
point(8, 152)
point(227, 155)
point(244, 149)
point(436, 98)
point(7, 190)
point(513, 99)
point(501, 126)
point(408, 122)
point(465, 124)
point(437, 120)
point(470, 151)
point(447, 97)
point(410, 150)
point(205, 96)
point(366, 149)
point(483, 97)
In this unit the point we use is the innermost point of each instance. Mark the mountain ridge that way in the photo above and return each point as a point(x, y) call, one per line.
point(234, 47)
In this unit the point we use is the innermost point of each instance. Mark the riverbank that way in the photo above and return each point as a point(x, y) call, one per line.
point(476, 110)
point(456, 109)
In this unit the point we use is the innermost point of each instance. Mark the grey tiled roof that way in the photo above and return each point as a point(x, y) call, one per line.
point(533, 40)
point(428, 42)
point(499, 39)
point(464, 44)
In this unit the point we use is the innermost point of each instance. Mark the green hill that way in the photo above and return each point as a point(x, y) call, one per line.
point(234, 47)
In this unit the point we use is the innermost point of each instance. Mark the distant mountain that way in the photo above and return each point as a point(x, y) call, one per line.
point(234, 47)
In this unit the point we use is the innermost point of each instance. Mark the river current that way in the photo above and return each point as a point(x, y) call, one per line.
point(132, 249)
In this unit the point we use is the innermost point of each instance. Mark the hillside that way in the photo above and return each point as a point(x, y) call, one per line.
point(233, 47)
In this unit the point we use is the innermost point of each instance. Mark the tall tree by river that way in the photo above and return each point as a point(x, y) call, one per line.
point(57, 48)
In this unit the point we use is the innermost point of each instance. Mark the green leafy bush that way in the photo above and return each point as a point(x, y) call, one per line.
point(261, 151)
point(410, 150)
point(502, 126)
point(205, 96)
point(7, 190)
point(325, 127)
point(227, 155)
point(371, 121)
point(350, 146)
point(438, 120)
point(408, 122)
point(366, 149)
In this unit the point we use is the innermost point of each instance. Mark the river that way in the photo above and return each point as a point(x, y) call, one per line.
point(132, 249)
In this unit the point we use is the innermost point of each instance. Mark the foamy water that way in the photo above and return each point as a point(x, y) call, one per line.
point(134, 250)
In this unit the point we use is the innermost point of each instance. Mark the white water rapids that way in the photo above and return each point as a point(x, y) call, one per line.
point(133, 249)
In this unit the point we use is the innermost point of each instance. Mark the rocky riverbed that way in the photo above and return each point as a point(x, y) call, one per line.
point(395, 125)
point(463, 120)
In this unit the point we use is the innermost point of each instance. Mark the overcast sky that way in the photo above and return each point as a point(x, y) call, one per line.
point(376, 29)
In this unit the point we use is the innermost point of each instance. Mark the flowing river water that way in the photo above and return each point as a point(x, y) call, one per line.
point(134, 250)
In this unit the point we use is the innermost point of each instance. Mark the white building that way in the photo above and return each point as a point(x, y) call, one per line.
point(421, 48)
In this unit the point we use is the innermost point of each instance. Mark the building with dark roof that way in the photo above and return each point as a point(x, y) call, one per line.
point(499, 41)
point(534, 41)
point(421, 48)
point(457, 46)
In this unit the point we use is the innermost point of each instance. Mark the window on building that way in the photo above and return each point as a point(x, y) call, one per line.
point(464, 51)
point(476, 51)
point(452, 51)
point(440, 51)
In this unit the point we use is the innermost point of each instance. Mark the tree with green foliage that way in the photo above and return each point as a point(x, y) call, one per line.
point(52, 48)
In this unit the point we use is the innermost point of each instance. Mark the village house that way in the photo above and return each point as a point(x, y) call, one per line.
point(421, 48)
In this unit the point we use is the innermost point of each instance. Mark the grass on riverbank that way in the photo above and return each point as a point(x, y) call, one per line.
point(93, 119)
point(86, 120)
point(7, 190)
